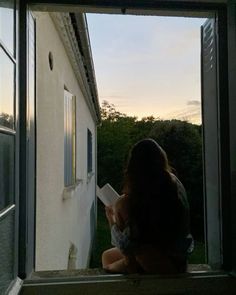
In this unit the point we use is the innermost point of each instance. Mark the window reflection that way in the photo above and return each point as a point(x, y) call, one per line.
point(6, 170)
point(7, 24)
point(6, 90)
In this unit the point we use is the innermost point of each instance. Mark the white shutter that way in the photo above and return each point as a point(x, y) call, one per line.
point(211, 143)
point(69, 139)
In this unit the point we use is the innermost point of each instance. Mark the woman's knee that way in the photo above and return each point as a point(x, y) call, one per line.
point(111, 255)
point(105, 258)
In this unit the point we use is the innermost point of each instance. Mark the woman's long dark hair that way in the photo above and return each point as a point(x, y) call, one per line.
point(154, 208)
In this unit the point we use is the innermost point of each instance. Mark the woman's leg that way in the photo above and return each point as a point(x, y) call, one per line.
point(115, 262)
point(118, 266)
point(110, 256)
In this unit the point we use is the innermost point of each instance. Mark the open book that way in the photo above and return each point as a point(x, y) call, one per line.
point(107, 194)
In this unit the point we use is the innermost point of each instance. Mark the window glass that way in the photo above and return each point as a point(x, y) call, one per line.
point(6, 90)
point(7, 24)
point(6, 170)
point(7, 225)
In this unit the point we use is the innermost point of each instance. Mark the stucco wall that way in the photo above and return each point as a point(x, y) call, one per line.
point(59, 221)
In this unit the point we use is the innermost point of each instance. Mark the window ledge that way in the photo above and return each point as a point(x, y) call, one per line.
point(70, 191)
point(96, 282)
point(193, 269)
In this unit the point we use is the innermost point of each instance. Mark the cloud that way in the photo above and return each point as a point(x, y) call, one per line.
point(191, 114)
point(193, 102)
point(111, 96)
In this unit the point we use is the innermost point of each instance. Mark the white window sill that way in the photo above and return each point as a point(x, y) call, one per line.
point(70, 191)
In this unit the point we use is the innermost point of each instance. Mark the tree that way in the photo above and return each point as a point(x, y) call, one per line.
point(183, 144)
point(114, 142)
point(6, 120)
point(109, 112)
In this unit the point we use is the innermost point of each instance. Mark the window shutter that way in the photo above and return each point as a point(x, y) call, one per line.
point(211, 143)
point(69, 139)
point(89, 151)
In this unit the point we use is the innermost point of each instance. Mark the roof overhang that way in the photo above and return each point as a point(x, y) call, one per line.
point(73, 30)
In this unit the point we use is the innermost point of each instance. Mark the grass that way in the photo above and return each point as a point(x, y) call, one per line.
point(198, 255)
point(103, 239)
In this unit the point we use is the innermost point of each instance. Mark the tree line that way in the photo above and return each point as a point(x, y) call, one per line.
point(181, 140)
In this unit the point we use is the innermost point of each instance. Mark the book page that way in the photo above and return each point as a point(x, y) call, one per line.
point(107, 194)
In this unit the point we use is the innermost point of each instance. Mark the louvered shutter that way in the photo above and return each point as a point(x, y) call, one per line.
point(211, 144)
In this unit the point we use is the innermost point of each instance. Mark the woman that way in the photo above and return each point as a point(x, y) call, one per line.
point(150, 222)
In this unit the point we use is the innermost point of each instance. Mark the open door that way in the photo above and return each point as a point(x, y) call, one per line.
point(27, 151)
point(9, 147)
point(211, 141)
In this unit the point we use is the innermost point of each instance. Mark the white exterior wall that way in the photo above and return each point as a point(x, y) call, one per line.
point(60, 221)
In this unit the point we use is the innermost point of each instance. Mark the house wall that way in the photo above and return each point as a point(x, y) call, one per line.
point(62, 216)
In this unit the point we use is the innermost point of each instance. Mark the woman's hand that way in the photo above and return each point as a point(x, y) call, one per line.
point(110, 215)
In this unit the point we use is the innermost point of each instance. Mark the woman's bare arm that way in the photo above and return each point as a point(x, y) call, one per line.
point(121, 212)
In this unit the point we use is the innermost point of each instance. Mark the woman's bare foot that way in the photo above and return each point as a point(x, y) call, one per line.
point(111, 255)
point(118, 266)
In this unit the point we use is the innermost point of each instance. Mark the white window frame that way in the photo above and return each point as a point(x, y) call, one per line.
point(136, 285)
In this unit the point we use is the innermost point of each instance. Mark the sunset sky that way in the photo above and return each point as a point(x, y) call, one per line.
point(148, 65)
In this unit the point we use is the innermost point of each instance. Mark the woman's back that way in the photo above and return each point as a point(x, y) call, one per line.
point(158, 231)
point(153, 218)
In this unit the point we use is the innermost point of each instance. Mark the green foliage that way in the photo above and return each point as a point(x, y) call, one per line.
point(181, 140)
point(198, 256)
point(6, 120)
point(183, 144)
point(114, 142)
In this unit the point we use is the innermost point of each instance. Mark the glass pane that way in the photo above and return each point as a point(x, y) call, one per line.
point(7, 24)
point(6, 91)
point(7, 251)
point(6, 170)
